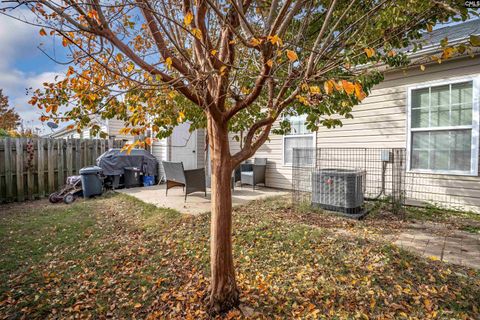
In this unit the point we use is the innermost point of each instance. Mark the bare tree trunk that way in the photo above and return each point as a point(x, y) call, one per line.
point(224, 293)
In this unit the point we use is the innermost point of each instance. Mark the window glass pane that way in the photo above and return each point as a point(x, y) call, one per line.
point(420, 140)
point(439, 160)
point(461, 150)
point(420, 150)
point(440, 96)
point(462, 92)
point(420, 98)
point(462, 103)
point(461, 114)
point(440, 116)
point(297, 125)
point(419, 159)
point(297, 142)
point(440, 140)
point(420, 118)
point(441, 150)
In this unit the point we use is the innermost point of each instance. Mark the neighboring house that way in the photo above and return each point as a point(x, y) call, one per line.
point(181, 146)
point(111, 126)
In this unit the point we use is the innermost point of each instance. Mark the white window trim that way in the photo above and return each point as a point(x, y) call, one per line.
point(474, 127)
point(314, 143)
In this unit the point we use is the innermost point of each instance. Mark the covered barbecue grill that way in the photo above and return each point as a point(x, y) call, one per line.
point(114, 161)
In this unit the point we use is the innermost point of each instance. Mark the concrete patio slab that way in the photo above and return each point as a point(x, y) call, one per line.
point(196, 202)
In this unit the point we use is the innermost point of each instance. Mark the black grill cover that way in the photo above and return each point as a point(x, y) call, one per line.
point(114, 161)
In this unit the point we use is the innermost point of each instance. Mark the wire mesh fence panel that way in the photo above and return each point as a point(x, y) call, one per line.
point(337, 178)
point(342, 179)
point(443, 191)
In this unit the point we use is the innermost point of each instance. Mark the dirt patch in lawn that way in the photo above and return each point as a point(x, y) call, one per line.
point(118, 257)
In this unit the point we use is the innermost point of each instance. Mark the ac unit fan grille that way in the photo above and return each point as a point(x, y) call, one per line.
point(339, 189)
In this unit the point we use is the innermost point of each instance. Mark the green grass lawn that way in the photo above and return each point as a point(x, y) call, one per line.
point(116, 256)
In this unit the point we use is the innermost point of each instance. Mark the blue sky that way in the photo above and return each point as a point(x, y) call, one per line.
point(23, 65)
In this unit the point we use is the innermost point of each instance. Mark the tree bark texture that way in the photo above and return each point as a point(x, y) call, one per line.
point(224, 292)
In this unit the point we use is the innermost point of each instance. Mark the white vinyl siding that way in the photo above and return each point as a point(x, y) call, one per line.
point(299, 137)
point(443, 127)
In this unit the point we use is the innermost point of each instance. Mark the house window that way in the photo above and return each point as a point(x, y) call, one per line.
point(443, 128)
point(299, 137)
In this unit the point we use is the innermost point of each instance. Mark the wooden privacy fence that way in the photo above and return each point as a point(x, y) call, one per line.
point(32, 168)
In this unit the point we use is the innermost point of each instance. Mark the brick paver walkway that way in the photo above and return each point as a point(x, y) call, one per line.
point(457, 247)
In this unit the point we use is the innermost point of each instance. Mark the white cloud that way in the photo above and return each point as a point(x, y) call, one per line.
point(17, 39)
point(19, 44)
point(19, 99)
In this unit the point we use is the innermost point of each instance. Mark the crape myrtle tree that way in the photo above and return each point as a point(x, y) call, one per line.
point(227, 66)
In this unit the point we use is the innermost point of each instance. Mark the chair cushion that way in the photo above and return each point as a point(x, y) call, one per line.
point(247, 173)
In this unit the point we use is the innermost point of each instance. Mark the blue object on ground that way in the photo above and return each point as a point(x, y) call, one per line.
point(148, 181)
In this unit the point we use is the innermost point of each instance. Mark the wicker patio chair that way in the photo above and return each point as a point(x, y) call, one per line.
point(254, 173)
point(191, 180)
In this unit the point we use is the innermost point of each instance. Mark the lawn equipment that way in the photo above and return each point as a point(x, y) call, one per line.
point(69, 192)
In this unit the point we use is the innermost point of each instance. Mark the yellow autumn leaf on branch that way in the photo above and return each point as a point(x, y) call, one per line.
point(369, 52)
point(314, 90)
point(213, 52)
point(422, 67)
point(255, 42)
point(70, 71)
point(359, 93)
point(475, 40)
point(125, 130)
point(223, 70)
point(447, 53)
point(197, 33)
point(348, 86)
point(188, 18)
point(64, 42)
point(172, 94)
point(119, 57)
point(93, 14)
point(275, 40)
point(181, 116)
point(168, 63)
point(245, 90)
point(270, 63)
point(338, 85)
point(130, 67)
point(292, 55)
point(328, 86)
point(43, 32)
point(302, 100)
point(131, 146)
